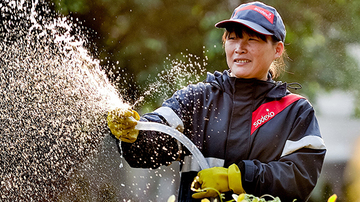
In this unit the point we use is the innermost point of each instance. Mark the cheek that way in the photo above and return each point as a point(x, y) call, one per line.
point(228, 50)
point(265, 55)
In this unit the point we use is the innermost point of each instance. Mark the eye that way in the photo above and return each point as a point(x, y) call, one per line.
point(253, 39)
point(232, 37)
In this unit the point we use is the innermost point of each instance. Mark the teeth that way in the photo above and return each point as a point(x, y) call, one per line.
point(242, 61)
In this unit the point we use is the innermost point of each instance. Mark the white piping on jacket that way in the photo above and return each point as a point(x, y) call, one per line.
point(311, 142)
point(171, 117)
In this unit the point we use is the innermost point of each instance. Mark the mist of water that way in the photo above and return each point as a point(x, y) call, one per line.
point(179, 73)
point(54, 99)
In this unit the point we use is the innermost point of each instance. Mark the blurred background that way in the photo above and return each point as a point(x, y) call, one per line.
point(137, 39)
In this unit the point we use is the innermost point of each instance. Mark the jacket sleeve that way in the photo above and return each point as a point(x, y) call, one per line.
point(150, 150)
point(295, 173)
point(153, 149)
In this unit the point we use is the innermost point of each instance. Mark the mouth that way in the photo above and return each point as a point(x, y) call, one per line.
point(242, 61)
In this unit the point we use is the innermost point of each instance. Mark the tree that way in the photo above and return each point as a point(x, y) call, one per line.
point(140, 34)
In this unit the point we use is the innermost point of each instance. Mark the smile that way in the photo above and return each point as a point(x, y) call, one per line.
point(242, 61)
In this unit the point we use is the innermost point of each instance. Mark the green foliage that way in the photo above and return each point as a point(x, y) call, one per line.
point(318, 33)
point(140, 34)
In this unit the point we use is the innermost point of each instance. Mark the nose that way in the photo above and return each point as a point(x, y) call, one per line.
point(240, 47)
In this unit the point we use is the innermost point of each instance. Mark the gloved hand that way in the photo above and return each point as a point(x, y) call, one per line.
point(217, 178)
point(234, 176)
point(122, 126)
point(213, 178)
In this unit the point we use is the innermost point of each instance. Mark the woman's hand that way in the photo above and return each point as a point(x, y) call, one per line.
point(210, 182)
point(122, 124)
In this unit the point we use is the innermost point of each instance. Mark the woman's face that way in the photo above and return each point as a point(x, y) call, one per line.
point(249, 56)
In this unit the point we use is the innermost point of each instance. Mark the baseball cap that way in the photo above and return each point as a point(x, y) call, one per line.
point(259, 17)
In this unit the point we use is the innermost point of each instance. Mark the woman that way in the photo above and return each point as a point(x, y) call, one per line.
point(257, 136)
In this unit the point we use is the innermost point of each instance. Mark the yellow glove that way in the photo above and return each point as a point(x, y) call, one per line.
point(217, 178)
point(234, 176)
point(213, 178)
point(122, 126)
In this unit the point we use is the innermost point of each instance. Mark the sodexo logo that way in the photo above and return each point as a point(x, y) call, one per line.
point(264, 118)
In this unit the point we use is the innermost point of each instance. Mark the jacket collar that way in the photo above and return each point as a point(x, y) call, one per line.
point(233, 85)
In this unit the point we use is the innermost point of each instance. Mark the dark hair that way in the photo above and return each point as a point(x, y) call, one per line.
point(278, 65)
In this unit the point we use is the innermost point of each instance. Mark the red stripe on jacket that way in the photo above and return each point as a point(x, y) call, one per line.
point(269, 110)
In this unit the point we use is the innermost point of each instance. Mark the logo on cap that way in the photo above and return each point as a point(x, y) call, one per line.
point(267, 14)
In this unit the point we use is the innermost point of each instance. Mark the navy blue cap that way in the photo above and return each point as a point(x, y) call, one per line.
point(259, 17)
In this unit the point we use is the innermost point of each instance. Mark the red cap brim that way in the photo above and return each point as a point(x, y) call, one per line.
point(251, 25)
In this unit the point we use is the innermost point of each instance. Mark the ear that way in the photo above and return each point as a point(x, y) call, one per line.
point(279, 49)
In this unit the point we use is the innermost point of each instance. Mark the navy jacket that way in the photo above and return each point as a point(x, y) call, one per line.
point(271, 134)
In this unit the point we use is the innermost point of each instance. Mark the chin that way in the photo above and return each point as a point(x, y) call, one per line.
point(239, 75)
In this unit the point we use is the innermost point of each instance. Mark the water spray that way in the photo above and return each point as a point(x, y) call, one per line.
point(54, 97)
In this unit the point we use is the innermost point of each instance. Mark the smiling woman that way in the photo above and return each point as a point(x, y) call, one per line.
point(257, 136)
point(250, 54)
